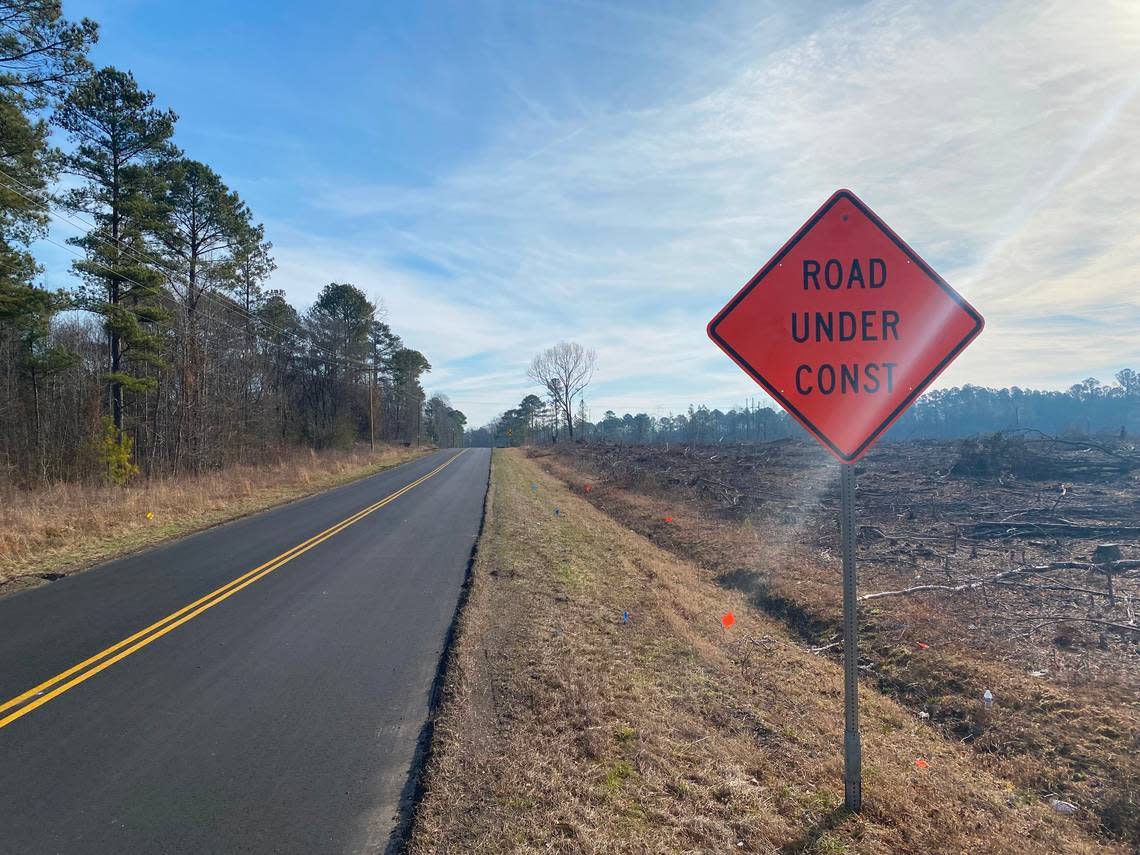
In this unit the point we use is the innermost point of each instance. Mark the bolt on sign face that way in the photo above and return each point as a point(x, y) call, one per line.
point(845, 326)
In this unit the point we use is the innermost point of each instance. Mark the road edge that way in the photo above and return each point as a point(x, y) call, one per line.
point(90, 564)
point(414, 787)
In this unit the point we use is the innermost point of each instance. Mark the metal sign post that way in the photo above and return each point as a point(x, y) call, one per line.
point(852, 748)
point(845, 327)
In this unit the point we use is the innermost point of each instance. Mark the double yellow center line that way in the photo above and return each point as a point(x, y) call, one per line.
point(39, 695)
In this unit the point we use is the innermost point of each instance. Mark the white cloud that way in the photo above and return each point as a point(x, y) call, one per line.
point(998, 140)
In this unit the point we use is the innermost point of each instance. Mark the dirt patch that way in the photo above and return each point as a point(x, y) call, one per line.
point(762, 520)
point(596, 704)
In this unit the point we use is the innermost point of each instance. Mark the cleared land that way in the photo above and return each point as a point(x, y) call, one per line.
point(48, 533)
point(566, 727)
point(1013, 525)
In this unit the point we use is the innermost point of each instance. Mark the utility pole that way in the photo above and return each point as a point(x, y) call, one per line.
point(371, 418)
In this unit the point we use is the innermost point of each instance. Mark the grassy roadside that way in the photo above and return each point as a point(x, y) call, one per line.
point(1071, 740)
point(566, 729)
point(66, 528)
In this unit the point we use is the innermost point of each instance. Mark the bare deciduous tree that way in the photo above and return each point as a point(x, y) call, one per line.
point(564, 371)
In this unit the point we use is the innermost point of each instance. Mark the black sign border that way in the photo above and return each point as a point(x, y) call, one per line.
point(979, 323)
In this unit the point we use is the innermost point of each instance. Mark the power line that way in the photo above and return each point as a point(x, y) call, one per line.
point(215, 318)
point(171, 271)
point(138, 256)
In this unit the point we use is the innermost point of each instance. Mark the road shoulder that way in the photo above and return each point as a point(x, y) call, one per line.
point(67, 529)
point(567, 726)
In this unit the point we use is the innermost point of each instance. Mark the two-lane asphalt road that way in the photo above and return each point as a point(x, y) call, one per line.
point(258, 687)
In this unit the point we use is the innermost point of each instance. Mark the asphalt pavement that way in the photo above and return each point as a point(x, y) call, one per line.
point(262, 686)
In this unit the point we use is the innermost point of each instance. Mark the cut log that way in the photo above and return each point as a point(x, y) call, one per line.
point(994, 528)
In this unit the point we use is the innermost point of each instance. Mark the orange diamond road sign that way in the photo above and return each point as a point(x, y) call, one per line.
point(845, 326)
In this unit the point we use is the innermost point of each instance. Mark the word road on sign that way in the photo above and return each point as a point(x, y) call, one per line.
point(845, 326)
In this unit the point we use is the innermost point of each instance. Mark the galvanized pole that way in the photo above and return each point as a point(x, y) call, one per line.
point(371, 418)
point(852, 749)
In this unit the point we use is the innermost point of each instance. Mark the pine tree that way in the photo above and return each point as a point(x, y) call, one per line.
point(339, 325)
point(26, 164)
point(120, 140)
point(42, 54)
point(252, 265)
point(200, 226)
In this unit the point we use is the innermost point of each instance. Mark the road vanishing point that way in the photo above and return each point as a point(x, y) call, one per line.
point(261, 686)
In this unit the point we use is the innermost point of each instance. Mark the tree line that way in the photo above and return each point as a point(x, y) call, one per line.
point(169, 354)
point(1088, 407)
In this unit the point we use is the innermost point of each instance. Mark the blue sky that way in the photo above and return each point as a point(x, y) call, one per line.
point(507, 174)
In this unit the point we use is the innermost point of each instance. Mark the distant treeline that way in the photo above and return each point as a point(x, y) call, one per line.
point(1087, 407)
point(166, 353)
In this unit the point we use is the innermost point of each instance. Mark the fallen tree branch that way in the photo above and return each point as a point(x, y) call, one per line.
point(824, 648)
point(1006, 583)
point(1081, 444)
point(1051, 619)
point(1002, 577)
point(921, 589)
point(1060, 529)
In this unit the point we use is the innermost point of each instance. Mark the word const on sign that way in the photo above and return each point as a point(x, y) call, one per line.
point(845, 326)
point(829, 378)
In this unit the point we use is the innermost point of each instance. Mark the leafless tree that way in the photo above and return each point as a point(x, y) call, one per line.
point(564, 371)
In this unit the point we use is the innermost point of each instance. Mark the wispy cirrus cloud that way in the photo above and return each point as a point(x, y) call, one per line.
point(997, 138)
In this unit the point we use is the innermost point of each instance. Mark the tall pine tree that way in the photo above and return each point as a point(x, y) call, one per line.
point(41, 55)
point(202, 226)
point(120, 139)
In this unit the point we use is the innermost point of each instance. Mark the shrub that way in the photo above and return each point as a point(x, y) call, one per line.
point(990, 455)
point(115, 452)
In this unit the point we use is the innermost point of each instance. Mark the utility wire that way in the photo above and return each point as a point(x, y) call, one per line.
point(228, 304)
point(171, 272)
point(215, 318)
point(132, 253)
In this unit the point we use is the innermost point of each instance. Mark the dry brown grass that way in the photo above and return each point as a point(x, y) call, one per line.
point(565, 729)
point(50, 532)
point(1072, 736)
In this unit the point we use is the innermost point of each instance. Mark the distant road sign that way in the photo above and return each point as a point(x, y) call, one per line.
point(845, 326)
